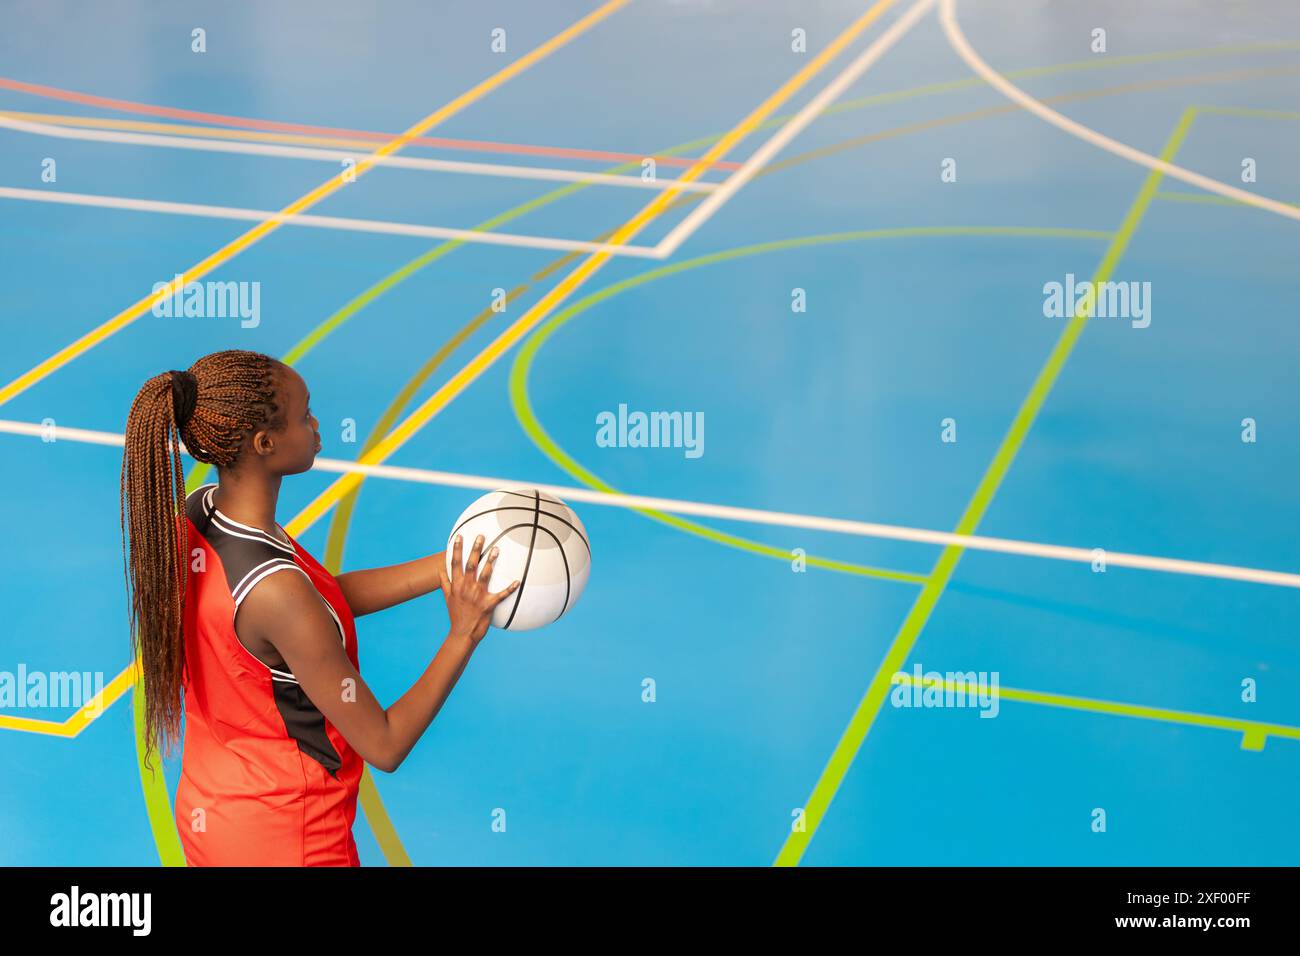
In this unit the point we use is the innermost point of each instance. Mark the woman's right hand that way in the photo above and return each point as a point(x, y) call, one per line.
point(469, 603)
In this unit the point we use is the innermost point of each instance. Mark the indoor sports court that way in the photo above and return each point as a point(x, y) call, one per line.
point(923, 374)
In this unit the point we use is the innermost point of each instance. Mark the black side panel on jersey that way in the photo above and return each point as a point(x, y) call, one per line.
point(306, 725)
point(248, 555)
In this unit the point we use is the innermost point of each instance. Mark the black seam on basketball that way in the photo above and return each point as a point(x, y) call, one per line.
point(550, 514)
point(501, 534)
point(523, 579)
point(520, 494)
point(567, 586)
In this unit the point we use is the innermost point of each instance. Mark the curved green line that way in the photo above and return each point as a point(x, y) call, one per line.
point(527, 353)
point(1077, 66)
point(860, 724)
point(156, 797)
point(358, 303)
point(157, 801)
point(381, 824)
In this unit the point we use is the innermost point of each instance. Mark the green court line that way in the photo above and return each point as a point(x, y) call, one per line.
point(1251, 730)
point(156, 798)
point(837, 767)
point(1252, 113)
point(157, 801)
point(1254, 732)
point(381, 824)
point(966, 83)
point(341, 514)
point(1174, 195)
point(1077, 66)
point(527, 353)
point(153, 783)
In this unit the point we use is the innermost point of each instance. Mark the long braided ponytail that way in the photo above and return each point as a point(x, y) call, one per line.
point(212, 407)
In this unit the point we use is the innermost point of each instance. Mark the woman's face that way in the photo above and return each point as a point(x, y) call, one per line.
point(299, 442)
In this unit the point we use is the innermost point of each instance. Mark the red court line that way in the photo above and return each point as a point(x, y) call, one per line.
point(242, 122)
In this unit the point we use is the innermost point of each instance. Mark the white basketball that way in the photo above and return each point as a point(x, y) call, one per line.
point(543, 547)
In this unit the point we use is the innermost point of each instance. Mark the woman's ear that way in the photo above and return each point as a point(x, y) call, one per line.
point(262, 443)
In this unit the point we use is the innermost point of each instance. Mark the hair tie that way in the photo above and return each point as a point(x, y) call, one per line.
point(185, 395)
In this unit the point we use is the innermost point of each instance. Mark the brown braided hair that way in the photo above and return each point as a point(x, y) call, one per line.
point(212, 407)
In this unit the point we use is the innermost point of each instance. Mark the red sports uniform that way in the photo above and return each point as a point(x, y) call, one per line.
point(266, 780)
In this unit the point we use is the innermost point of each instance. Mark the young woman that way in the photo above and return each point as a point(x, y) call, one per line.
point(264, 664)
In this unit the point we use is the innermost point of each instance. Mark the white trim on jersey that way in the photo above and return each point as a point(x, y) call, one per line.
point(245, 586)
point(256, 534)
point(263, 570)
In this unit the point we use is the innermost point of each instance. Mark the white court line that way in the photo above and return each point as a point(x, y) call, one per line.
point(948, 17)
point(719, 192)
point(792, 128)
point(313, 221)
point(865, 529)
point(337, 156)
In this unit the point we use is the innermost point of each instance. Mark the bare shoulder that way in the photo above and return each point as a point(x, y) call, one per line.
point(286, 611)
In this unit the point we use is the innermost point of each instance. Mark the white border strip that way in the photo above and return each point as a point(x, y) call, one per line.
point(948, 17)
point(339, 156)
point(313, 221)
point(865, 529)
point(792, 128)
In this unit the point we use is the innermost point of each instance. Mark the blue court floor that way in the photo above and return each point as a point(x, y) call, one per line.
point(861, 328)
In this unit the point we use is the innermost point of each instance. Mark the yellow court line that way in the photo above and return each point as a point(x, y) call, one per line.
point(232, 249)
point(1254, 732)
point(342, 142)
point(84, 716)
point(540, 310)
point(570, 283)
point(122, 682)
point(125, 680)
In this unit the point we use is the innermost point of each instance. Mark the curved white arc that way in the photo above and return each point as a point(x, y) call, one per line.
point(792, 128)
point(948, 18)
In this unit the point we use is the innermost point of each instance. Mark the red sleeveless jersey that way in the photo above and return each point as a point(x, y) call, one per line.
point(266, 780)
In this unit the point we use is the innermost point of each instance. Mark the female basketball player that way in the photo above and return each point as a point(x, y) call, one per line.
point(264, 665)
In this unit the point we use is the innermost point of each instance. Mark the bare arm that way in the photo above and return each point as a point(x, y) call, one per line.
point(375, 589)
point(286, 612)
